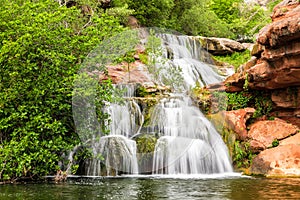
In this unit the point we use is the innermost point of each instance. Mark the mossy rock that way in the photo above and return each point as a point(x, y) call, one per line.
point(145, 152)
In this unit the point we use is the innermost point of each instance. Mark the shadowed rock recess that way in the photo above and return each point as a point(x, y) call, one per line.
point(274, 69)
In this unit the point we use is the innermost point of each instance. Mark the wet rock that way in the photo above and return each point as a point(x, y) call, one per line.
point(151, 87)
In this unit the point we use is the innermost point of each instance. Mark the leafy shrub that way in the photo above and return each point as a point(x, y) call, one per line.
point(236, 59)
point(42, 46)
point(242, 155)
point(238, 100)
point(275, 143)
point(262, 104)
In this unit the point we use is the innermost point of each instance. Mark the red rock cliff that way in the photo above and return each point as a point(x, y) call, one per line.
point(275, 65)
point(274, 68)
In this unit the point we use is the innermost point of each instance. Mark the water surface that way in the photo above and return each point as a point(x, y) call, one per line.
point(152, 188)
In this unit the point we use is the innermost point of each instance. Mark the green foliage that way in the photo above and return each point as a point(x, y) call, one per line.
point(226, 10)
point(218, 18)
point(42, 46)
point(120, 12)
point(260, 100)
point(275, 143)
point(152, 12)
point(204, 23)
point(238, 100)
point(262, 104)
point(231, 101)
point(146, 143)
point(141, 92)
point(242, 155)
point(153, 52)
point(193, 17)
point(246, 84)
point(236, 59)
point(243, 19)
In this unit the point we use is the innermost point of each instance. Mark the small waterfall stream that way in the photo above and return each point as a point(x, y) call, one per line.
point(187, 142)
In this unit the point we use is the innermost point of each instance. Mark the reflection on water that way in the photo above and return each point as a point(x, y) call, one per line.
point(157, 188)
point(261, 188)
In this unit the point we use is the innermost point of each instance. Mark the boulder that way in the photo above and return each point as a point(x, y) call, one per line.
point(290, 115)
point(137, 73)
point(295, 139)
point(236, 120)
point(221, 46)
point(285, 8)
point(267, 131)
point(275, 70)
point(283, 160)
point(256, 146)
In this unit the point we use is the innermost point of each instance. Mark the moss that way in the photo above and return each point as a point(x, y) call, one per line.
point(239, 151)
point(147, 105)
point(228, 135)
point(146, 143)
point(203, 98)
point(145, 148)
point(141, 92)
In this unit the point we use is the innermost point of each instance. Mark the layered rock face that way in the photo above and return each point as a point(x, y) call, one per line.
point(274, 68)
point(277, 53)
point(275, 65)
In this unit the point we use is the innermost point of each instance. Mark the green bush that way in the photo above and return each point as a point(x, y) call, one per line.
point(242, 155)
point(42, 46)
point(275, 143)
point(262, 103)
point(236, 59)
point(238, 100)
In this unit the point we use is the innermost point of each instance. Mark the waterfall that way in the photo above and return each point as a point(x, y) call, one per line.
point(118, 154)
point(187, 143)
point(117, 150)
point(186, 54)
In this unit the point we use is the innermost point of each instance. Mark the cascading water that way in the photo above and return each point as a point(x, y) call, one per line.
point(186, 53)
point(187, 142)
point(117, 149)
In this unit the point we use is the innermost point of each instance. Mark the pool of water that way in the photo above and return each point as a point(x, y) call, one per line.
point(157, 187)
